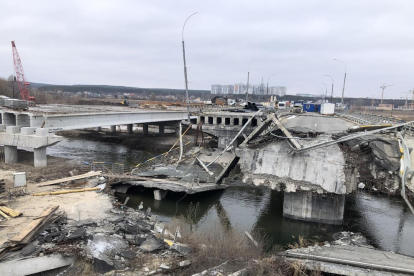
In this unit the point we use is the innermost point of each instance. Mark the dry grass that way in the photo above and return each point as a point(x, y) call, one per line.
point(219, 243)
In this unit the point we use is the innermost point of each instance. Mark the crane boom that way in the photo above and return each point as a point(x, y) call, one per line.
point(20, 76)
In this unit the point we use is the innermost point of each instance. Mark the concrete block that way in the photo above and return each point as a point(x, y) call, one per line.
point(12, 129)
point(113, 129)
point(28, 130)
point(99, 129)
point(10, 154)
point(42, 132)
point(2, 128)
point(40, 158)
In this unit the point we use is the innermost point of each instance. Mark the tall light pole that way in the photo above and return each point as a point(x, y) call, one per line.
point(383, 88)
point(248, 78)
point(332, 86)
point(185, 69)
point(326, 90)
point(267, 89)
point(343, 87)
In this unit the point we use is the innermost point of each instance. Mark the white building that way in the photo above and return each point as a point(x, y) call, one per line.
point(240, 88)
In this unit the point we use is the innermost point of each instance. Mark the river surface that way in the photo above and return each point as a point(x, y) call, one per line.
point(386, 222)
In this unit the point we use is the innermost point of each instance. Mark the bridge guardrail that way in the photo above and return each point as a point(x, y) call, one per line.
point(365, 118)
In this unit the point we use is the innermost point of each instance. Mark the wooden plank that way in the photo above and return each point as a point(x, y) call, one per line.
point(68, 191)
point(72, 178)
point(32, 227)
point(286, 132)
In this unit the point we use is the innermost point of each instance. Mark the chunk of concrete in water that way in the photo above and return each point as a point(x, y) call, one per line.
point(151, 244)
point(35, 265)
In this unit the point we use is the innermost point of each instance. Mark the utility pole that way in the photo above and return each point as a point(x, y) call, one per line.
point(383, 87)
point(267, 89)
point(185, 70)
point(332, 87)
point(372, 101)
point(343, 87)
point(248, 79)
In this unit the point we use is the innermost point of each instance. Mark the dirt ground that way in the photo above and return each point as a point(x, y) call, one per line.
point(56, 168)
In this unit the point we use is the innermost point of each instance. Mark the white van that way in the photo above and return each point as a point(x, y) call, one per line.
point(281, 105)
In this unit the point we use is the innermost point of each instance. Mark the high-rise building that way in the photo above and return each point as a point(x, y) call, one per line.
point(240, 88)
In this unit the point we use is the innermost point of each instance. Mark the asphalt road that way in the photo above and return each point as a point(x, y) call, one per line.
point(316, 122)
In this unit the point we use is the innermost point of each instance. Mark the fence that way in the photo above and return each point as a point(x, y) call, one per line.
point(367, 119)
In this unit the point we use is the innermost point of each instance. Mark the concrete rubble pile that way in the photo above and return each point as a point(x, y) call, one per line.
point(374, 160)
point(121, 241)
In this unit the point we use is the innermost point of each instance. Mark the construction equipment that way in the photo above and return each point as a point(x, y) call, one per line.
point(20, 76)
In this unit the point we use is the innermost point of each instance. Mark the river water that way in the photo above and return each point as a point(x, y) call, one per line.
point(387, 223)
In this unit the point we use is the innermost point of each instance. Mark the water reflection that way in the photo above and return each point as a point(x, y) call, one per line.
point(387, 222)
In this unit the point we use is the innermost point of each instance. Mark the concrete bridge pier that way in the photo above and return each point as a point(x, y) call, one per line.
point(99, 129)
point(311, 206)
point(145, 129)
point(161, 130)
point(159, 194)
point(113, 129)
point(130, 128)
point(10, 155)
point(40, 158)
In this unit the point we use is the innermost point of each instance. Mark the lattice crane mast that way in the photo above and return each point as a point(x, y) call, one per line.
point(20, 76)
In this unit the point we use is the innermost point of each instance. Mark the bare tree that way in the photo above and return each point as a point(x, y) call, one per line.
point(4, 88)
point(13, 86)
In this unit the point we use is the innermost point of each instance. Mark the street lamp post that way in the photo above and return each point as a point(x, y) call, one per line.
point(343, 87)
point(326, 90)
point(267, 89)
point(383, 88)
point(332, 86)
point(185, 69)
point(248, 78)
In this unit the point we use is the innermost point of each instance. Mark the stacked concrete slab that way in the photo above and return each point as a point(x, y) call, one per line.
point(2, 98)
point(17, 104)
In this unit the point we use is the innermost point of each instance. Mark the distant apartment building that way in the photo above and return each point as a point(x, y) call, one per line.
point(222, 89)
point(240, 88)
point(308, 95)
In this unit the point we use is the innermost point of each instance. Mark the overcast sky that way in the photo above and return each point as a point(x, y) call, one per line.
point(138, 43)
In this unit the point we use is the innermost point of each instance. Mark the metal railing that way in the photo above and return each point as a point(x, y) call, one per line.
point(363, 118)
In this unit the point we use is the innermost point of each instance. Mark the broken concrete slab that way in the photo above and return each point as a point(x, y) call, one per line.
point(101, 248)
point(34, 265)
point(28, 249)
point(127, 254)
point(77, 234)
point(151, 244)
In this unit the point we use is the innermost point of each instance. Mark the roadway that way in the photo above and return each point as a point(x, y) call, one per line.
point(313, 122)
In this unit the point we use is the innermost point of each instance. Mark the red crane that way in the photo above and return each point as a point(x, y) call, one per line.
point(20, 76)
